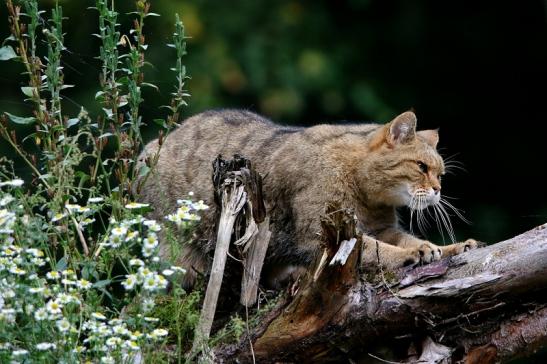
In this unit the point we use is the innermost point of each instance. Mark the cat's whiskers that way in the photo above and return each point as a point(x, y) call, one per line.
point(445, 219)
point(456, 210)
point(419, 206)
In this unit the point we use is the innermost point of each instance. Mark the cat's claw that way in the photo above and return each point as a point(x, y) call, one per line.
point(429, 253)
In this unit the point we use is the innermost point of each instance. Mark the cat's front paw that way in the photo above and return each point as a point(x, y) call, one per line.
point(428, 253)
point(462, 247)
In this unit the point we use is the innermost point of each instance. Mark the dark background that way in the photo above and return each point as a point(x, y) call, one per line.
point(476, 69)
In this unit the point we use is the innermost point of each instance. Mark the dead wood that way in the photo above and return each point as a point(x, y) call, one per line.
point(484, 306)
point(240, 207)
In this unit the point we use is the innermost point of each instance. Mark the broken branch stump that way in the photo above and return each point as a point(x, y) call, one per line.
point(238, 190)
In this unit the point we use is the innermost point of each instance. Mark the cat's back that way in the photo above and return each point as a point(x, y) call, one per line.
point(226, 132)
point(185, 161)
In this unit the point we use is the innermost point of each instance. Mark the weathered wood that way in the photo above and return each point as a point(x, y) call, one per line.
point(240, 206)
point(489, 303)
point(253, 262)
point(233, 200)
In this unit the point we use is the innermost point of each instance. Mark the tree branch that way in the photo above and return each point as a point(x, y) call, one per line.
point(485, 305)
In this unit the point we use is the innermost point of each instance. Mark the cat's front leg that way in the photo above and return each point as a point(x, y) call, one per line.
point(458, 248)
point(428, 251)
point(378, 253)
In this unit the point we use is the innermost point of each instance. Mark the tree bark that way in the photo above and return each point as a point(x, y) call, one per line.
point(483, 306)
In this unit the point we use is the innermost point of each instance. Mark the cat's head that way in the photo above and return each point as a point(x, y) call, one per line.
point(405, 165)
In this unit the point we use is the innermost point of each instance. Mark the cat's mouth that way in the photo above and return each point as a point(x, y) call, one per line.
point(423, 198)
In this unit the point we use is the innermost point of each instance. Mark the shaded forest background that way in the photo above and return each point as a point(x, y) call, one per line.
point(476, 70)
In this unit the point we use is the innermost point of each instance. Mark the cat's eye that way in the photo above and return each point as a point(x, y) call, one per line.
point(423, 166)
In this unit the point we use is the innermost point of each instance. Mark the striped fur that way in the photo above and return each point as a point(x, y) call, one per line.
point(361, 166)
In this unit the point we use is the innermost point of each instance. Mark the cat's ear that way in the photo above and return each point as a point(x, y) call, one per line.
point(431, 137)
point(402, 129)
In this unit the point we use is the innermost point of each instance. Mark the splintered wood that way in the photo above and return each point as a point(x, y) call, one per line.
point(238, 195)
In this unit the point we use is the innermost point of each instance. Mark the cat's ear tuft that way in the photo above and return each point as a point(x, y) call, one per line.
point(431, 137)
point(402, 129)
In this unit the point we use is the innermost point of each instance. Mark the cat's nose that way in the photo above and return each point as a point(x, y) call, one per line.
point(437, 189)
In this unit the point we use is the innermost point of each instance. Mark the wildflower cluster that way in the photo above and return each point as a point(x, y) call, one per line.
point(187, 212)
point(80, 271)
point(60, 302)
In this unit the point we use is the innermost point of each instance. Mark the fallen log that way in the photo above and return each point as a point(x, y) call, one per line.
point(483, 306)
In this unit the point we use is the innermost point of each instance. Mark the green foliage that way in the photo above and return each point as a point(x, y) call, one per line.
point(80, 274)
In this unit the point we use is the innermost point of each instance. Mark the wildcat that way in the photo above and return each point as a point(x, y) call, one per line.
point(371, 168)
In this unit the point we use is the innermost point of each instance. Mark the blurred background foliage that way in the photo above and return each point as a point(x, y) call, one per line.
point(476, 69)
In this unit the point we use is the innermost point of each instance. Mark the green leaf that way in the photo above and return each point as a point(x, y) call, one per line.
point(150, 85)
point(84, 177)
point(102, 284)
point(143, 171)
point(160, 122)
point(61, 264)
point(8, 39)
point(72, 122)
point(7, 53)
point(152, 14)
point(28, 91)
point(21, 120)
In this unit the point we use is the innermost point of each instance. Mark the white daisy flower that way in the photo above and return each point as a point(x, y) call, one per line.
point(129, 282)
point(178, 269)
point(83, 284)
point(108, 360)
point(98, 316)
point(151, 241)
point(136, 205)
point(113, 341)
point(157, 333)
point(17, 271)
point(120, 330)
point(147, 251)
point(86, 222)
point(37, 253)
point(132, 235)
point(167, 272)
point(199, 206)
point(83, 209)
point(79, 349)
point(131, 345)
point(136, 262)
point(45, 346)
point(53, 275)
point(119, 231)
point(36, 289)
point(54, 307)
point(136, 335)
point(20, 352)
point(148, 304)
point(72, 207)
point(150, 283)
point(63, 325)
point(13, 183)
point(58, 217)
point(152, 225)
point(6, 200)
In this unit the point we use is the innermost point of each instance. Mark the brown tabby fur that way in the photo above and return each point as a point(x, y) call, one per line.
point(364, 166)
